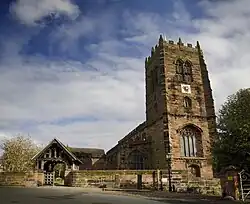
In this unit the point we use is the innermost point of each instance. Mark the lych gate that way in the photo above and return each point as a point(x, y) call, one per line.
point(48, 178)
point(244, 186)
point(55, 160)
point(54, 170)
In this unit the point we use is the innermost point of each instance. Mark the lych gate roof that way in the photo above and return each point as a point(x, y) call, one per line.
point(95, 153)
point(61, 145)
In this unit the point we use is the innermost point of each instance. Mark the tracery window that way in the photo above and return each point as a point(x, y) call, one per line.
point(190, 144)
point(184, 71)
point(179, 66)
point(136, 160)
point(187, 68)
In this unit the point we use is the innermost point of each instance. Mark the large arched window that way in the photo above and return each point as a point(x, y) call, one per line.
point(136, 160)
point(190, 142)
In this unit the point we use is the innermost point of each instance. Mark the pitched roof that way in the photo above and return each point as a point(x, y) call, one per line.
point(62, 146)
point(95, 153)
point(136, 130)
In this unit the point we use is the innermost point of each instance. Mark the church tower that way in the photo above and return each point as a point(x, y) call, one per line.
point(180, 112)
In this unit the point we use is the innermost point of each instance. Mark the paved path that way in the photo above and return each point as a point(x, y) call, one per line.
point(67, 195)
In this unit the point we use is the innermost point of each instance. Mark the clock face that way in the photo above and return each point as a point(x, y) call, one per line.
point(185, 88)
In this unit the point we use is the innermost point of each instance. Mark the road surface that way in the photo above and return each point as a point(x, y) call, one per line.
point(10, 195)
point(69, 195)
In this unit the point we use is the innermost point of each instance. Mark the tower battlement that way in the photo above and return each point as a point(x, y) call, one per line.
point(173, 45)
point(172, 42)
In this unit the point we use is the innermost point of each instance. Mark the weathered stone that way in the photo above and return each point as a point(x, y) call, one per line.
point(178, 97)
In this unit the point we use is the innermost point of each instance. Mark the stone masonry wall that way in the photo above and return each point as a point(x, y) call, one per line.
point(158, 158)
point(128, 179)
point(111, 178)
point(166, 115)
point(21, 179)
point(162, 63)
point(178, 117)
point(184, 182)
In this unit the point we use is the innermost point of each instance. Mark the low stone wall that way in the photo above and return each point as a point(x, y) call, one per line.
point(21, 179)
point(111, 178)
point(127, 179)
point(184, 182)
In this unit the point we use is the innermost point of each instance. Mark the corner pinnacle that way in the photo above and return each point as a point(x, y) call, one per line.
point(180, 42)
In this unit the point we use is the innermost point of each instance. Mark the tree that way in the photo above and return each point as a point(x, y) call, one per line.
point(232, 144)
point(17, 154)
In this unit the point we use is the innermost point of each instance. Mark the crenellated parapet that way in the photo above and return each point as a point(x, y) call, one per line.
point(170, 44)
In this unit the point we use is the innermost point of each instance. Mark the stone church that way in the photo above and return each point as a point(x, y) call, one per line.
point(180, 117)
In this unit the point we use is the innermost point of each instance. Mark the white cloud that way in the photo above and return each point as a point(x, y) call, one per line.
point(29, 12)
point(43, 93)
point(37, 92)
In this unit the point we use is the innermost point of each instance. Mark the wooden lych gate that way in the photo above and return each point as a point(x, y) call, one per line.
point(244, 187)
point(49, 178)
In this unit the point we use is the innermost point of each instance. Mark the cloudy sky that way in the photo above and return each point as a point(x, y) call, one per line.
point(74, 69)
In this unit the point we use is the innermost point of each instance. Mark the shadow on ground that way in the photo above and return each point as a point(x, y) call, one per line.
point(174, 198)
point(193, 201)
point(62, 197)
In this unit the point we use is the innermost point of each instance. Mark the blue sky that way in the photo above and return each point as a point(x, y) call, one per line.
point(75, 69)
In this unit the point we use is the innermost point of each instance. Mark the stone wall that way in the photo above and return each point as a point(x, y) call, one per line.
point(123, 179)
point(184, 182)
point(21, 179)
point(128, 179)
point(167, 115)
point(112, 179)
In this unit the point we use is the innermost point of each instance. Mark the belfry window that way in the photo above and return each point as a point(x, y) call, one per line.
point(184, 71)
point(179, 66)
point(190, 138)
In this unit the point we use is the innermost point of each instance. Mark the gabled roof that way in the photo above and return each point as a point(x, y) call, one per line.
point(94, 152)
point(61, 145)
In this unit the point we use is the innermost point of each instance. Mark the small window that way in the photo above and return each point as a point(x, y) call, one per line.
point(195, 170)
point(187, 102)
